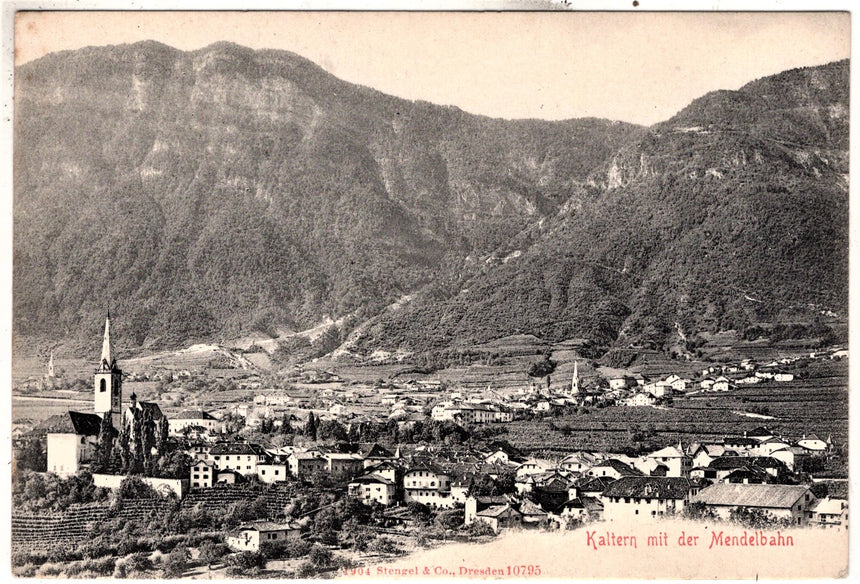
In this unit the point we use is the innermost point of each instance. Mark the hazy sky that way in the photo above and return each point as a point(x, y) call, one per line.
point(635, 67)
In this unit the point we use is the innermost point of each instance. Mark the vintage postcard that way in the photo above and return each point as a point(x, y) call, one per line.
point(430, 295)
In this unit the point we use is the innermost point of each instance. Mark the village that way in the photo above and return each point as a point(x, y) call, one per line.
point(416, 452)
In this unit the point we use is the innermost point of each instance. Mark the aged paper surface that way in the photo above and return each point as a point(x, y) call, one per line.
point(523, 65)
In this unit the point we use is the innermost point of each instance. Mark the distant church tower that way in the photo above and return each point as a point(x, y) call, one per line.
point(108, 381)
point(51, 365)
point(574, 383)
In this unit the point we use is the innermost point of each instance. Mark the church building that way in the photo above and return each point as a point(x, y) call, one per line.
point(72, 444)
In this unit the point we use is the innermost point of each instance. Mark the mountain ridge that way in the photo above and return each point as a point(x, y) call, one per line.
point(210, 193)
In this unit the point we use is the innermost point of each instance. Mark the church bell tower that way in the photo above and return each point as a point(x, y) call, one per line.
point(108, 381)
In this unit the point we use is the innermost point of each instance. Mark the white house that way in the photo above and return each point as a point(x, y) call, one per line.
point(202, 474)
point(677, 463)
point(534, 466)
point(639, 497)
point(192, 419)
point(617, 382)
point(613, 469)
point(273, 473)
point(830, 513)
point(427, 484)
point(248, 538)
point(721, 384)
point(812, 443)
point(640, 399)
point(372, 488)
point(242, 457)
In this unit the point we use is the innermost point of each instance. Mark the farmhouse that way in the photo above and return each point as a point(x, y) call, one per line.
point(428, 484)
point(830, 513)
point(637, 497)
point(500, 516)
point(248, 538)
point(273, 473)
point(305, 464)
point(674, 459)
point(613, 469)
point(373, 488)
point(641, 399)
point(239, 456)
point(812, 443)
point(193, 419)
point(203, 475)
point(342, 466)
point(792, 502)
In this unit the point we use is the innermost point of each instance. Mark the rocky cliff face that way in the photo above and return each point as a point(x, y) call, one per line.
point(730, 213)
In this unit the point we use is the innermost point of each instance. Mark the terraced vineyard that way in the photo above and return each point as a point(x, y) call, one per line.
point(815, 404)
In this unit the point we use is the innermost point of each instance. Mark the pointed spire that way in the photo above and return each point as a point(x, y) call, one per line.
point(106, 347)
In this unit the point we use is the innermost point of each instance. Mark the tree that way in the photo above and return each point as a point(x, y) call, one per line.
point(106, 439)
point(320, 556)
point(311, 427)
point(331, 430)
point(543, 368)
point(286, 428)
point(175, 563)
point(32, 457)
point(213, 553)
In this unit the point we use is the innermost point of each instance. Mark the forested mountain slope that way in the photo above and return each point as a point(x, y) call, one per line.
point(206, 194)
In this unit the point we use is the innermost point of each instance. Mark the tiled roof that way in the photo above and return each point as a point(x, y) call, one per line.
point(266, 526)
point(237, 448)
point(149, 407)
point(497, 510)
point(620, 467)
point(194, 415)
point(740, 495)
point(668, 452)
point(649, 487)
point(372, 478)
point(85, 424)
point(593, 484)
point(731, 462)
point(830, 506)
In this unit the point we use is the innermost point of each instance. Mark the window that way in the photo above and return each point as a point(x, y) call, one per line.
point(276, 472)
point(226, 458)
point(636, 512)
point(263, 471)
point(196, 476)
point(102, 385)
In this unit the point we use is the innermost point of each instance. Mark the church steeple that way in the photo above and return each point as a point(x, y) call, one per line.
point(108, 380)
point(574, 383)
point(106, 362)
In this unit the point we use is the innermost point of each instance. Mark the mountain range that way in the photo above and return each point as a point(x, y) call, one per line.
point(208, 194)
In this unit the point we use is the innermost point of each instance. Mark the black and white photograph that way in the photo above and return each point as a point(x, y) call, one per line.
point(545, 294)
